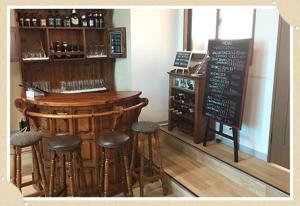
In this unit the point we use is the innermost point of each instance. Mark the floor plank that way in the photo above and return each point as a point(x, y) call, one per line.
point(253, 166)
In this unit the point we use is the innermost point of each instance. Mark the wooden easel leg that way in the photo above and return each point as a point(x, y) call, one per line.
point(221, 131)
point(236, 145)
point(206, 133)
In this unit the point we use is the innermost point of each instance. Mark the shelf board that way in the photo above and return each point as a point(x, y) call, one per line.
point(187, 104)
point(32, 28)
point(65, 28)
point(184, 90)
point(186, 75)
point(68, 59)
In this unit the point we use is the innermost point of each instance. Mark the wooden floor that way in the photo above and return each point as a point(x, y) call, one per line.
point(260, 169)
point(150, 190)
point(202, 175)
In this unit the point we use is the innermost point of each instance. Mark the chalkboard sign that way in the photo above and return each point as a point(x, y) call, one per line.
point(226, 80)
point(182, 60)
point(116, 42)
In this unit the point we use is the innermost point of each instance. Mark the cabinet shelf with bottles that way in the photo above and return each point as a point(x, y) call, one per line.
point(52, 48)
point(185, 104)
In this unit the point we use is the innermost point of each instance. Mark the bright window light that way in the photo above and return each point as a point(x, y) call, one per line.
point(236, 23)
point(203, 27)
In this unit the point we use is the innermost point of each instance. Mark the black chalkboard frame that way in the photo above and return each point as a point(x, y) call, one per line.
point(177, 58)
point(246, 72)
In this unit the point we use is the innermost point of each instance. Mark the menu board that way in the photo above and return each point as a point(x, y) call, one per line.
point(182, 60)
point(116, 42)
point(226, 80)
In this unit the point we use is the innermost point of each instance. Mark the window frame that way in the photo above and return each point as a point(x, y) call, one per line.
point(187, 29)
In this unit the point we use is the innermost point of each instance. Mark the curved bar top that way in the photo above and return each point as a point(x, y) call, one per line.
point(83, 99)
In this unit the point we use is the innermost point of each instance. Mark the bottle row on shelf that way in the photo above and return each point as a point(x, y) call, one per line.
point(54, 19)
point(65, 50)
point(184, 98)
point(182, 110)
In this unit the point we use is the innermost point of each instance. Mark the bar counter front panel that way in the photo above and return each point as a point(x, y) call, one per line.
point(89, 128)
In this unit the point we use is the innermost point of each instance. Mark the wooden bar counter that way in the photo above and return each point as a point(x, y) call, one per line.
point(88, 128)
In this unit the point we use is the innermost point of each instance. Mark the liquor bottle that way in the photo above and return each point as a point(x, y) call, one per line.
point(74, 18)
point(90, 20)
point(187, 110)
point(84, 22)
point(67, 21)
point(58, 50)
point(21, 19)
point(101, 20)
point(42, 21)
point(34, 21)
point(180, 97)
point(96, 19)
point(58, 20)
point(50, 19)
point(27, 20)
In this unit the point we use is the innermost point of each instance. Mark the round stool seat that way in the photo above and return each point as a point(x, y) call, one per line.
point(145, 127)
point(24, 139)
point(64, 143)
point(112, 139)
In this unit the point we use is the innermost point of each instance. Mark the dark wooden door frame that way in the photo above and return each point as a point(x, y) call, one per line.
point(274, 88)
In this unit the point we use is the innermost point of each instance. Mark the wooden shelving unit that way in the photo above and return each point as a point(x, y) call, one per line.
point(191, 123)
point(77, 67)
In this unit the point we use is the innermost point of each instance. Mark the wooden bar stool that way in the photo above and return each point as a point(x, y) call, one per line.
point(142, 129)
point(113, 142)
point(69, 147)
point(25, 139)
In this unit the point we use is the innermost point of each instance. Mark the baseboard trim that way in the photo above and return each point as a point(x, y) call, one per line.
point(245, 149)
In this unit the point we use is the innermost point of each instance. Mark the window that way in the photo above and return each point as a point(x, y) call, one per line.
point(210, 23)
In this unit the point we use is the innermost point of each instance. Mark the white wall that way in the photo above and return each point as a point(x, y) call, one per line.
point(121, 18)
point(154, 42)
point(255, 132)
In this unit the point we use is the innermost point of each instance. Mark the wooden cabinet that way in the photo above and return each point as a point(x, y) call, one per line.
point(185, 104)
point(92, 57)
point(14, 45)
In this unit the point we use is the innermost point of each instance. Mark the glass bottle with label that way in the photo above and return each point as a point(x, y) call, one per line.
point(101, 20)
point(91, 22)
point(21, 19)
point(34, 20)
point(84, 22)
point(58, 20)
point(67, 21)
point(50, 19)
point(42, 21)
point(74, 18)
point(96, 19)
point(27, 20)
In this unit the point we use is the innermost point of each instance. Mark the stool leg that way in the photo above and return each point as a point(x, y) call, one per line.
point(161, 170)
point(81, 173)
point(41, 169)
point(123, 172)
point(101, 173)
point(134, 148)
point(18, 170)
point(75, 171)
point(14, 165)
point(106, 177)
point(71, 173)
point(142, 166)
point(127, 171)
point(52, 173)
point(150, 154)
point(64, 174)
